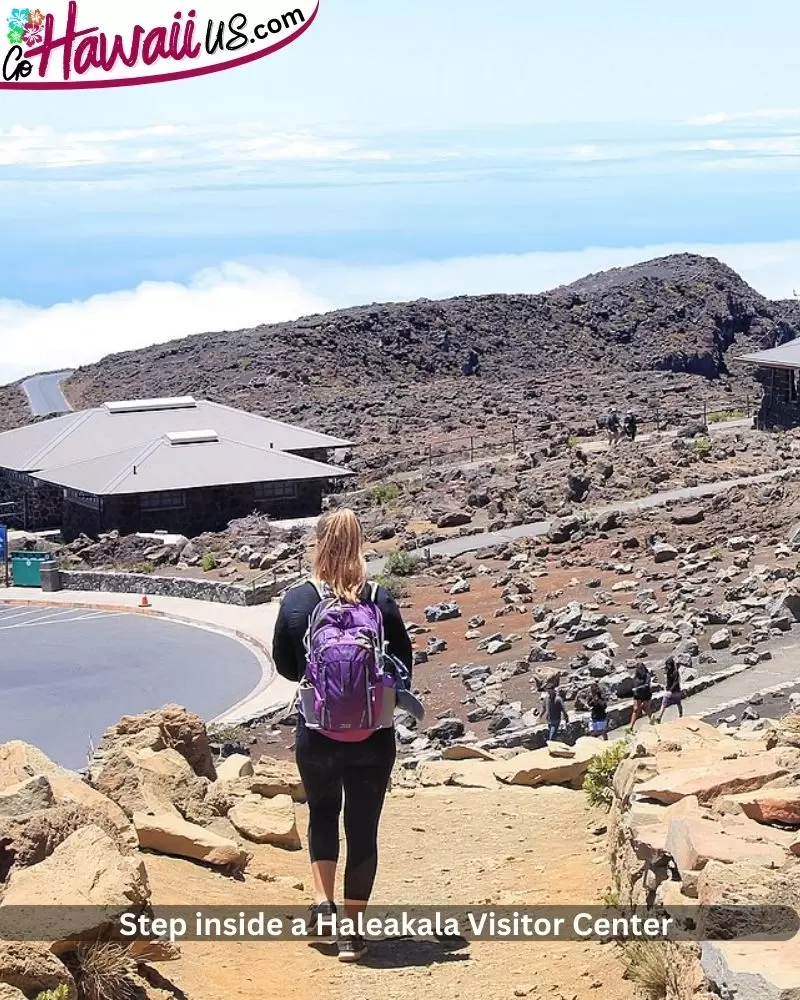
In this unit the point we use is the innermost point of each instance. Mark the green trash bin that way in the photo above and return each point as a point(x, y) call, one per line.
point(26, 568)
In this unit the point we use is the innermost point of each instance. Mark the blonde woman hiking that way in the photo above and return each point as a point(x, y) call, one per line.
point(344, 640)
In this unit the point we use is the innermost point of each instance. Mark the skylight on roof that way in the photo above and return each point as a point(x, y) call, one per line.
point(192, 437)
point(152, 405)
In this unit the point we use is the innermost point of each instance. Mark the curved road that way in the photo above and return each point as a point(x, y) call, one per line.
point(44, 394)
point(67, 674)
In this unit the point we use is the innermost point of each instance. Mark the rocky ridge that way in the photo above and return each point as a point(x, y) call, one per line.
point(707, 817)
point(400, 376)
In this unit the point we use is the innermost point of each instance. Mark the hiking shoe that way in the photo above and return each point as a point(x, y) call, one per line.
point(321, 923)
point(352, 949)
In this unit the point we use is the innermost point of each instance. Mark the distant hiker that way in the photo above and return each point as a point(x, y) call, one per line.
point(630, 425)
point(330, 637)
point(672, 689)
point(472, 365)
point(612, 426)
point(642, 693)
point(598, 706)
point(555, 710)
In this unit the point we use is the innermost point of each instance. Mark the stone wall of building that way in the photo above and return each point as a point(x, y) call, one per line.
point(39, 504)
point(77, 519)
point(170, 586)
point(780, 404)
point(208, 509)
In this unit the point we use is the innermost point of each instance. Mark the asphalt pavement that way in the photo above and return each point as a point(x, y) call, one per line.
point(44, 394)
point(66, 674)
point(781, 669)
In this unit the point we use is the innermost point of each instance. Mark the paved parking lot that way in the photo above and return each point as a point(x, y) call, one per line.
point(67, 674)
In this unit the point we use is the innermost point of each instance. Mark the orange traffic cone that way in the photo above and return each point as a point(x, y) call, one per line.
point(145, 602)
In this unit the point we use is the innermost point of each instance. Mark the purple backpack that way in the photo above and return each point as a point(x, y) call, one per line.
point(346, 688)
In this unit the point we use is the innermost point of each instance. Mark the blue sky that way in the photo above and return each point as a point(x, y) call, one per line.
point(400, 150)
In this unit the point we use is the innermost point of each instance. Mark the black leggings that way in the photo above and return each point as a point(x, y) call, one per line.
point(361, 771)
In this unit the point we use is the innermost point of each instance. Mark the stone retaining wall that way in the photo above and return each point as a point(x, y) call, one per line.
point(171, 586)
point(619, 715)
point(709, 816)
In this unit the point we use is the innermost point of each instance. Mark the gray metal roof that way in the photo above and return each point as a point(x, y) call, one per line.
point(785, 356)
point(164, 465)
point(77, 437)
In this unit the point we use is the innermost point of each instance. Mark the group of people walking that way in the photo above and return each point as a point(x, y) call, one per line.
point(615, 428)
point(554, 709)
point(343, 641)
point(643, 691)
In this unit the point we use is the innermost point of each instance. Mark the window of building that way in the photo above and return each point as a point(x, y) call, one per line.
point(171, 500)
point(275, 491)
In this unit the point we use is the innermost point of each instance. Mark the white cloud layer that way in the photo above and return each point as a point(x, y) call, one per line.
point(238, 295)
point(45, 147)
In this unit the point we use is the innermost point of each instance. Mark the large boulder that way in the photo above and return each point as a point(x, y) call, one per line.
point(762, 970)
point(662, 552)
point(179, 729)
point(26, 797)
point(88, 871)
point(148, 781)
point(463, 774)
point(238, 765)
point(465, 751)
point(267, 821)
point(550, 765)
point(277, 777)
point(223, 795)
point(693, 841)
point(31, 968)
point(748, 884)
point(453, 519)
point(71, 790)
point(168, 833)
point(725, 777)
point(766, 805)
point(30, 839)
point(20, 761)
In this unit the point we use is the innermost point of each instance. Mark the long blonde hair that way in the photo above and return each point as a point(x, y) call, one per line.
point(338, 556)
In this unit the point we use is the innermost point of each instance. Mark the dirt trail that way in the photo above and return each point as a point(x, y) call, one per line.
point(439, 846)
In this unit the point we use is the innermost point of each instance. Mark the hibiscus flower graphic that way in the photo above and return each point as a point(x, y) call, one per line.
point(15, 36)
point(36, 18)
point(33, 34)
point(19, 18)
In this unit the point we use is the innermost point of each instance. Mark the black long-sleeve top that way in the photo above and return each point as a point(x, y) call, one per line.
point(288, 651)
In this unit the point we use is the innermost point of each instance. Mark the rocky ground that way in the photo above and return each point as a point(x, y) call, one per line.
point(697, 814)
point(711, 583)
point(227, 834)
point(457, 498)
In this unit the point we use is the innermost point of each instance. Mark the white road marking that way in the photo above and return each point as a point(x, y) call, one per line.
point(44, 614)
point(54, 620)
point(20, 614)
